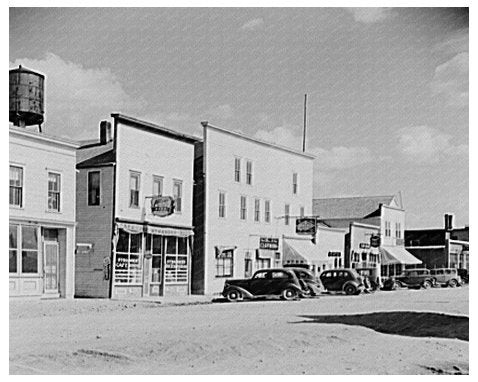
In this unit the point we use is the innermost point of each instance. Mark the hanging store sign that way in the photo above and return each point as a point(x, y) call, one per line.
point(306, 226)
point(162, 206)
point(364, 245)
point(334, 254)
point(375, 241)
point(269, 243)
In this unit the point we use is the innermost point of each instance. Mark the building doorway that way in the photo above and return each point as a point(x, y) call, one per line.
point(50, 267)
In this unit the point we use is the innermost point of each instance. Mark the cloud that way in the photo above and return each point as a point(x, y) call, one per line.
point(340, 157)
point(370, 15)
point(77, 98)
point(451, 80)
point(253, 24)
point(281, 135)
point(427, 145)
point(222, 112)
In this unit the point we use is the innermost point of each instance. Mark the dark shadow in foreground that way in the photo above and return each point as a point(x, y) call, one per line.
point(413, 324)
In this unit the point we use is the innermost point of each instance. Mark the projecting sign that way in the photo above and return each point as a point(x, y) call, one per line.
point(162, 206)
point(334, 254)
point(269, 243)
point(306, 226)
point(375, 241)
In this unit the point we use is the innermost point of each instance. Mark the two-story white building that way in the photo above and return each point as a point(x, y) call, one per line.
point(42, 214)
point(248, 194)
point(384, 217)
point(134, 211)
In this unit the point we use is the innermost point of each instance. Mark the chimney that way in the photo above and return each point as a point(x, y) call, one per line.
point(448, 222)
point(105, 132)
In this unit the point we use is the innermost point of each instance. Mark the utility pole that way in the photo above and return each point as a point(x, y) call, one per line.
point(305, 122)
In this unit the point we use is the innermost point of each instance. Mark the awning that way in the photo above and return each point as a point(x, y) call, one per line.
point(397, 255)
point(220, 249)
point(302, 250)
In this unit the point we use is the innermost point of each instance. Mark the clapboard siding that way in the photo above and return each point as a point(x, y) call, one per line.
point(94, 226)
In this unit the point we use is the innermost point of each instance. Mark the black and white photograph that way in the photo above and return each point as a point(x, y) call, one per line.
point(272, 190)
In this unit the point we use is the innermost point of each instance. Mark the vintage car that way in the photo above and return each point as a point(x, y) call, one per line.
point(411, 278)
point(278, 282)
point(446, 277)
point(464, 274)
point(342, 280)
point(310, 284)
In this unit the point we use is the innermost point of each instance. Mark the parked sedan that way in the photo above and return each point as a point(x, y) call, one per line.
point(446, 277)
point(411, 278)
point(342, 280)
point(264, 283)
point(310, 283)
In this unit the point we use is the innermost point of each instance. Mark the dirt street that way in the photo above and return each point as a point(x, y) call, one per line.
point(401, 332)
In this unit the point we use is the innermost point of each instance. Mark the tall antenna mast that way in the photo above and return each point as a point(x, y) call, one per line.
point(305, 122)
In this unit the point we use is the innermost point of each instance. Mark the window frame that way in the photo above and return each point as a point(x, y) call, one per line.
point(221, 264)
point(243, 208)
point(267, 211)
point(178, 182)
point(59, 192)
point(249, 172)
point(20, 250)
point(295, 183)
point(287, 214)
point(88, 188)
point(131, 175)
point(257, 210)
point(157, 179)
point(22, 198)
point(237, 169)
point(222, 206)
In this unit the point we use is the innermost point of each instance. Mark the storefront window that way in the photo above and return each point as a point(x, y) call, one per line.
point(128, 264)
point(176, 261)
point(29, 249)
point(225, 264)
point(13, 247)
point(263, 263)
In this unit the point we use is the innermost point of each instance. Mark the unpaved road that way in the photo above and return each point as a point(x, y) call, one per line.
point(261, 337)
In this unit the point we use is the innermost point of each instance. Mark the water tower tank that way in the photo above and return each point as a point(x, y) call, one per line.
point(26, 97)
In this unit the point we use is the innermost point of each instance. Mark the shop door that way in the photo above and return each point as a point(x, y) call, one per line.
point(50, 268)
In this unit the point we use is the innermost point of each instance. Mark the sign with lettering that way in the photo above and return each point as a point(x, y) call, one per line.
point(335, 254)
point(306, 226)
point(269, 243)
point(162, 206)
point(364, 245)
point(375, 241)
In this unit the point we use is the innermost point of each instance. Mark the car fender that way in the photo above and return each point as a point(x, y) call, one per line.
point(355, 284)
point(244, 292)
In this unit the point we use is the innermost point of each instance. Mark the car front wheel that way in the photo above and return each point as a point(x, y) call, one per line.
point(427, 284)
point(350, 289)
point(234, 295)
point(289, 294)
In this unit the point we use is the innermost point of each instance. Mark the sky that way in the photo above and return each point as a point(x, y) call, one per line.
point(387, 88)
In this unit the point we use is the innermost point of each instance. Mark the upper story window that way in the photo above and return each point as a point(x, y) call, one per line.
point(257, 210)
point(243, 208)
point(178, 195)
point(248, 172)
point(94, 188)
point(295, 184)
point(287, 214)
point(237, 169)
point(267, 211)
point(16, 186)
point(388, 228)
point(54, 191)
point(222, 204)
point(134, 187)
point(398, 230)
point(157, 185)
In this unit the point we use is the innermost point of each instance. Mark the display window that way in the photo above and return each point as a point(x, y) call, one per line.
point(23, 249)
point(128, 261)
point(176, 260)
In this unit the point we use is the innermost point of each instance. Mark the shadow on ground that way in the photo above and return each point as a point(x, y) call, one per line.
point(413, 324)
